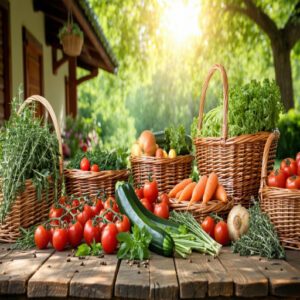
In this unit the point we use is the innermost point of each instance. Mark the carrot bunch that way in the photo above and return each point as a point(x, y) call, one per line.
point(205, 189)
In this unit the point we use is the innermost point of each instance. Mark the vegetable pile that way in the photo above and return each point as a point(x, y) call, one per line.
point(288, 176)
point(29, 151)
point(252, 108)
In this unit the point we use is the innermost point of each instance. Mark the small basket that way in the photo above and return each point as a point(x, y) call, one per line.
point(237, 161)
point(86, 182)
point(72, 44)
point(282, 205)
point(200, 211)
point(166, 171)
point(27, 210)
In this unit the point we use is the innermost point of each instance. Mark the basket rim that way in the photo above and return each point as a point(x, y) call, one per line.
point(163, 160)
point(281, 191)
point(79, 174)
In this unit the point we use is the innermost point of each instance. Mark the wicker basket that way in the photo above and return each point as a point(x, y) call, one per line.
point(166, 171)
point(200, 211)
point(72, 44)
point(86, 182)
point(27, 210)
point(282, 205)
point(237, 161)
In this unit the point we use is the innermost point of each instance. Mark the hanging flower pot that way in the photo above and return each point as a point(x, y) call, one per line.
point(71, 38)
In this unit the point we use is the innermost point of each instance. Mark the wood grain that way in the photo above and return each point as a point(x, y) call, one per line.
point(17, 267)
point(163, 279)
point(97, 279)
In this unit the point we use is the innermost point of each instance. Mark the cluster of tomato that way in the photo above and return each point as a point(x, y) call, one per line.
point(85, 165)
point(217, 229)
point(148, 195)
point(76, 219)
point(288, 176)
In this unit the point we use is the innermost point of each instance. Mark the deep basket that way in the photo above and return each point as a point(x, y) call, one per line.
point(237, 161)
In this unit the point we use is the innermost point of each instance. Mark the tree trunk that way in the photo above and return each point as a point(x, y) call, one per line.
point(283, 71)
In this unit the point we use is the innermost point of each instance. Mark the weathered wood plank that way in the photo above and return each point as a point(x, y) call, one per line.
point(97, 279)
point(247, 278)
point(293, 258)
point(5, 249)
point(17, 267)
point(284, 280)
point(133, 281)
point(163, 279)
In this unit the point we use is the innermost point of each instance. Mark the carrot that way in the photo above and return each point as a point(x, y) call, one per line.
point(179, 187)
point(198, 190)
point(221, 194)
point(187, 192)
point(211, 186)
point(178, 194)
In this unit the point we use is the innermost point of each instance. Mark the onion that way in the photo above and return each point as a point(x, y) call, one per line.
point(237, 222)
point(136, 150)
point(147, 143)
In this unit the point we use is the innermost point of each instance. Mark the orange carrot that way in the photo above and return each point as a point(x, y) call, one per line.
point(221, 194)
point(178, 194)
point(198, 190)
point(211, 186)
point(187, 192)
point(179, 187)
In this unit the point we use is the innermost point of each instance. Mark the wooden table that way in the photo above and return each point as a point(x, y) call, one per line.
point(58, 274)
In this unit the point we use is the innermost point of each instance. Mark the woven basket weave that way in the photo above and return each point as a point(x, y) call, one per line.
point(85, 182)
point(72, 44)
point(166, 171)
point(27, 210)
point(282, 205)
point(237, 161)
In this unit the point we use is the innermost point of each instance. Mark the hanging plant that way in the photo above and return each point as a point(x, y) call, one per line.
point(71, 38)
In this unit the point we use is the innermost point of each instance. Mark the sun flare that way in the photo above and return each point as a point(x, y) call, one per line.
point(180, 20)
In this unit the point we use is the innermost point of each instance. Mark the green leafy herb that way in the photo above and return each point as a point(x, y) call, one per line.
point(29, 151)
point(261, 238)
point(26, 240)
point(94, 249)
point(252, 108)
point(135, 245)
point(106, 160)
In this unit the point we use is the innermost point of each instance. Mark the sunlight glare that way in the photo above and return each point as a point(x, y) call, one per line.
point(180, 20)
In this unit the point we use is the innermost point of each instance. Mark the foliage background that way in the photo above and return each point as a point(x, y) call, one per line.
point(158, 82)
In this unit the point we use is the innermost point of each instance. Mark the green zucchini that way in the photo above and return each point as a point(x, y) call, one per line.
point(161, 243)
point(160, 222)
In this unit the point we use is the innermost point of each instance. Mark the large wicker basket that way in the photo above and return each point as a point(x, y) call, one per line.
point(282, 205)
point(86, 182)
point(166, 171)
point(237, 161)
point(27, 210)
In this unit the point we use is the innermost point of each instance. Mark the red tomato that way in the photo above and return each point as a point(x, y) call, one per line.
point(147, 204)
point(221, 233)
point(62, 200)
point(107, 215)
point(298, 167)
point(88, 210)
point(60, 238)
point(91, 232)
point(56, 212)
point(102, 226)
point(289, 167)
point(85, 164)
point(151, 191)
point(161, 210)
point(208, 225)
point(277, 179)
point(109, 238)
point(75, 233)
point(82, 217)
point(293, 182)
point(123, 225)
point(139, 192)
point(164, 198)
point(111, 203)
point(96, 208)
point(95, 168)
point(298, 156)
point(41, 237)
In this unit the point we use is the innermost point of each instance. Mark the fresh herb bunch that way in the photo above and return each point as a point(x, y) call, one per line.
point(252, 108)
point(176, 138)
point(69, 28)
point(94, 249)
point(29, 151)
point(26, 240)
point(106, 160)
point(135, 245)
point(261, 238)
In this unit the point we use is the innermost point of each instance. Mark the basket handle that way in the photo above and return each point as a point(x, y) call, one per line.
point(225, 97)
point(49, 109)
point(264, 171)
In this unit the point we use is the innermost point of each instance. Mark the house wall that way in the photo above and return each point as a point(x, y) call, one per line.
point(22, 14)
